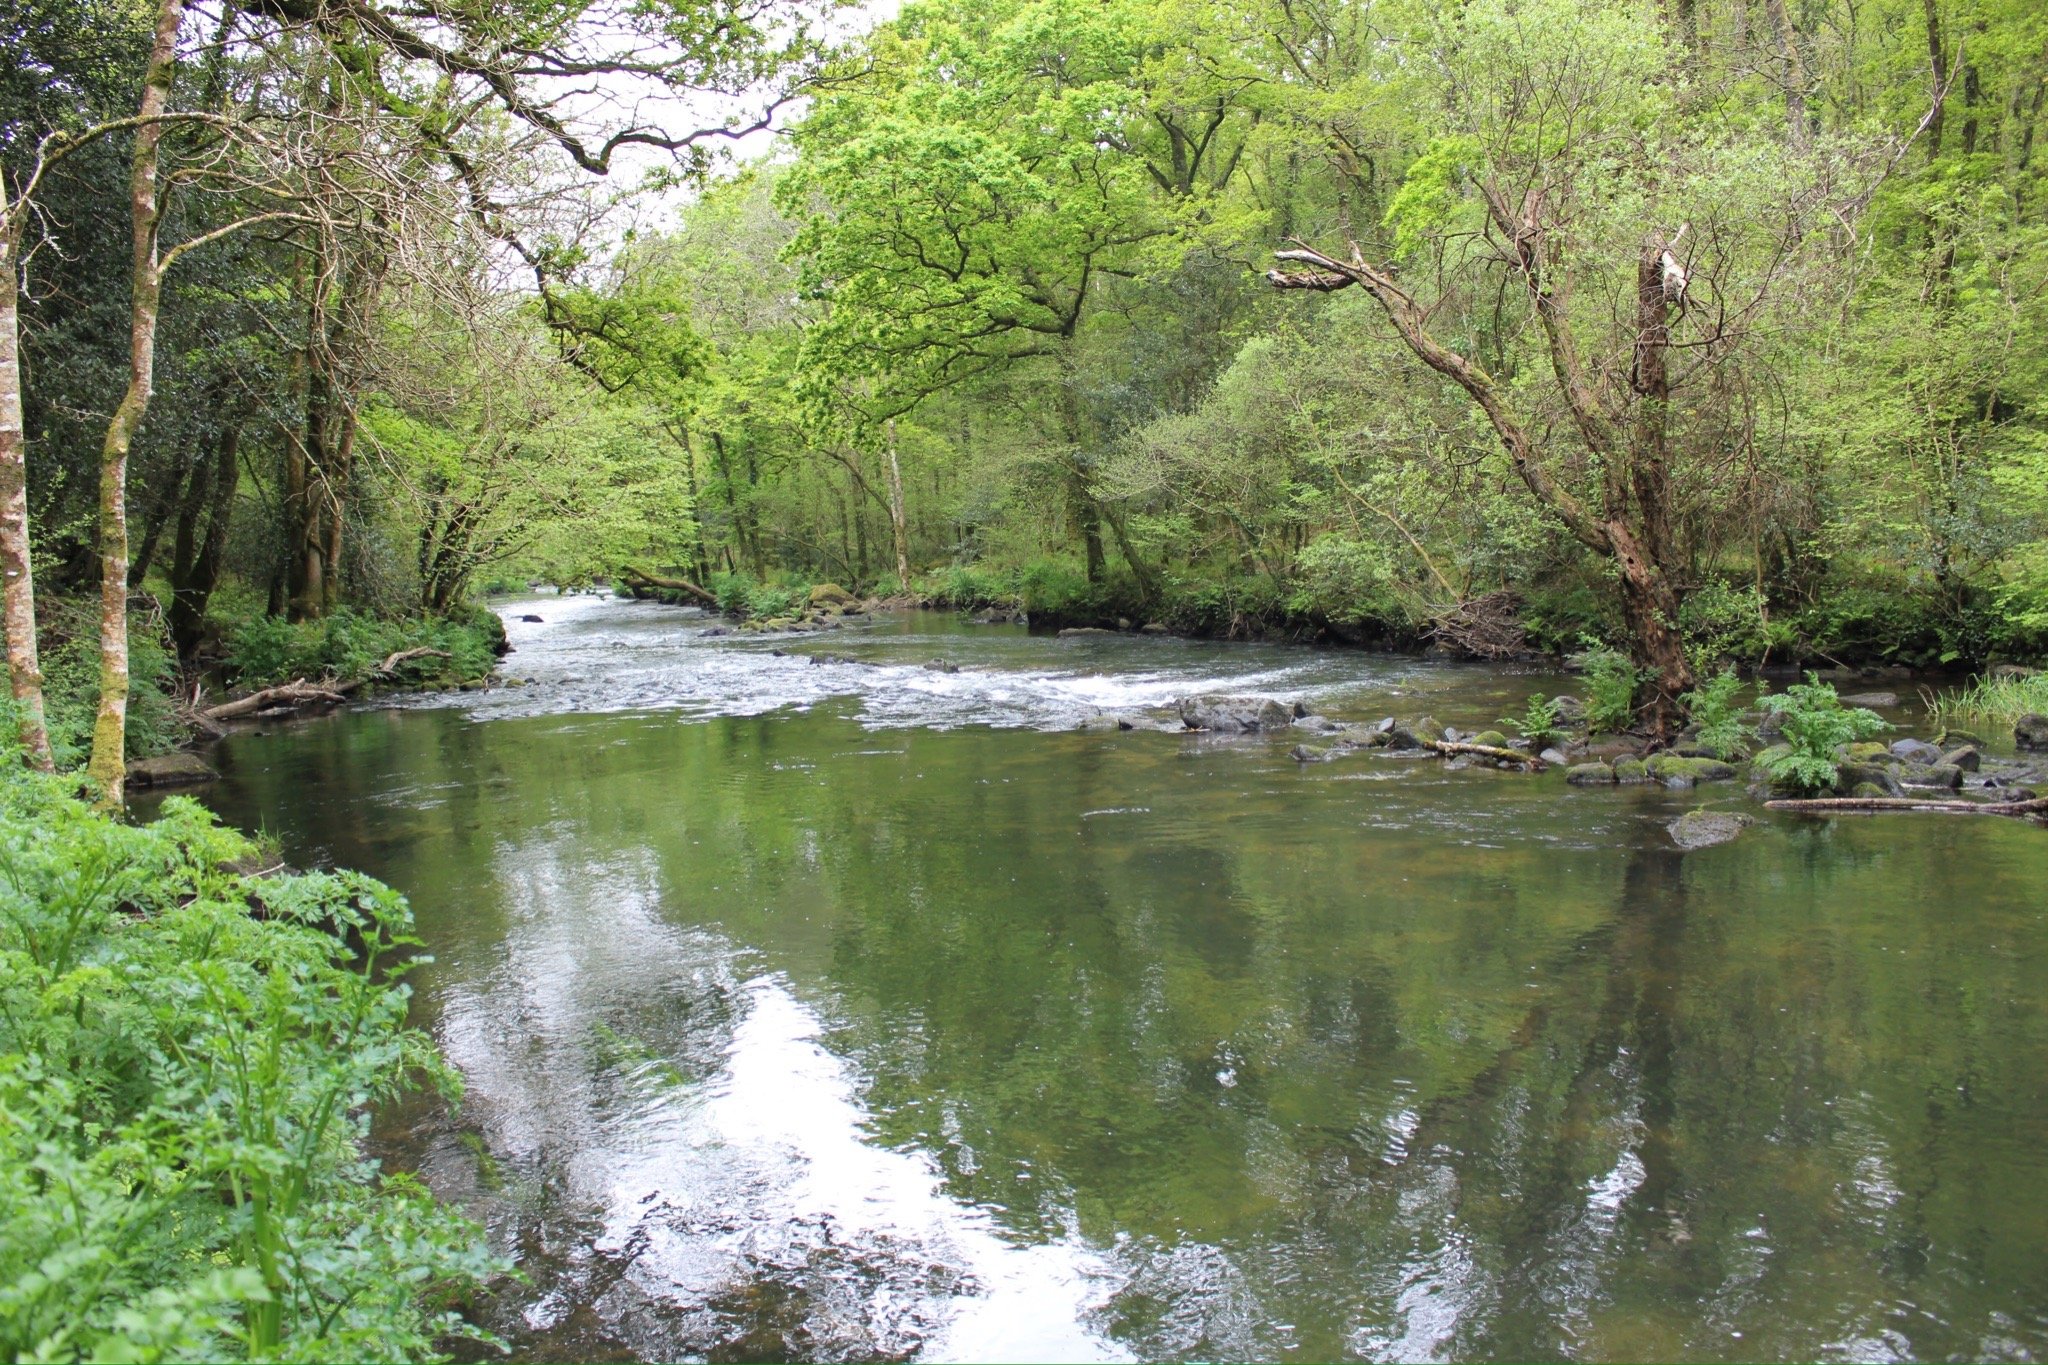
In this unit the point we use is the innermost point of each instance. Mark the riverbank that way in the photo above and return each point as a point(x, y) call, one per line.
point(188, 1050)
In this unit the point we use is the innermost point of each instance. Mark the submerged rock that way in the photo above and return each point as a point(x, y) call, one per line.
point(942, 666)
point(1241, 715)
point(169, 770)
point(1871, 699)
point(1706, 828)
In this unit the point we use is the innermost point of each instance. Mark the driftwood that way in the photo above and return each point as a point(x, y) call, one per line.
point(640, 578)
point(1449, 746)
point(398, 657)
point(1850, 805)
point(294, 695)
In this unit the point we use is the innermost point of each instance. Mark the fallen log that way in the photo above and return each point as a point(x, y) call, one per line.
point(397, 657)
point(295, 695)
point(1451, 746)
point(641, 578)
point(1851, 805)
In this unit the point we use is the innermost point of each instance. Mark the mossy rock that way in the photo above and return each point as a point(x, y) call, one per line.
point(1679, 770)
point(1853, 776)
point(1589, 775)
point(1630, 770)
point(1946, 775)
point(1867, 751)
point(831, 595)
point(1868, 789)
point(1492, 739)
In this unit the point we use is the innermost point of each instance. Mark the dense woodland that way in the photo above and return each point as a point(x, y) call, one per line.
point(1711, 330)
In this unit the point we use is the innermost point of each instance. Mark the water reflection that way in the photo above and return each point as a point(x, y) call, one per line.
point(786, 1038)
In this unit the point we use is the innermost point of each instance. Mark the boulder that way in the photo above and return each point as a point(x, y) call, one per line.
point(1106, 720)
point(1675, 770)
point(1915, 751)
point(1630, 770)
point(1966, 758)
point(1415, 734)
point(1554, 756)
point(532, 620)
point(1589, 775)
point(942, 666)
point(2002, 671)
point(1868, 751)
point(1239, 715)
point(1453, 735)
point(1569, 709)
point(1123, 623)
point(1082, 632)
point(1854, 777)
point(1492, 739)
point(2031, 733)
point(1152, 628)
point(1931, 775)
point(1871, 699)
point(1705, 828)
point(169, 770)
point(1321, 725)
point(831, 595)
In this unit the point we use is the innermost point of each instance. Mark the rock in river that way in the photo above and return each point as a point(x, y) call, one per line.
point(1915, 751)
point(1705, 828)
point(2031, 733)
point(169, 770)
point(1242, 715)
point(1590, 775)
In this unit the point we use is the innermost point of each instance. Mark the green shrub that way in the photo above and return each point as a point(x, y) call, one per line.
point(71, 682)
point(966, 587)
point(1611, 682)
point(1815, 725)
point(1538, 722)
point(1720, 622)
point(1716, 714)
point(1053, 587)
point(1556, 619)
point(347, 646)
point(184, 1090)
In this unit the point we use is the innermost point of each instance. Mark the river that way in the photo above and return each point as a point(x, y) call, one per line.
point(866, 1009)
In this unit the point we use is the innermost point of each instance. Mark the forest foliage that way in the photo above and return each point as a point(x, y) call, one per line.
point(1712, 330)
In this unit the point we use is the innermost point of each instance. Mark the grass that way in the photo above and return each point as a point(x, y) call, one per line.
point(1999, 701)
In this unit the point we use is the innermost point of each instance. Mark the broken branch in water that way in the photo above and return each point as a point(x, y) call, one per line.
point(1850, 805)
point(1449, 746)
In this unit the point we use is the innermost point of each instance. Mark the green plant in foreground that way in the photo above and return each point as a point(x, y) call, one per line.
point(1815, 725)
point(1538, 722)
point(1717, 716)
point(184, 1091)
point(1611, 682)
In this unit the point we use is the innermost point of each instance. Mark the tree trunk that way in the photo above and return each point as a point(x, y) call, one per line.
point(196, 555)
point(107, 766)
point(898, 523)
point(24, 671)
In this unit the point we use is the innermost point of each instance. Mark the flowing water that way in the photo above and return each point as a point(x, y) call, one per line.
point(863, 1009)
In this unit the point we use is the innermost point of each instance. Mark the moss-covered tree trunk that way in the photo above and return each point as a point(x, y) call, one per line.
point(109, 757)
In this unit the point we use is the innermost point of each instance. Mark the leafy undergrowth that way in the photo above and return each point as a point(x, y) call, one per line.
point(348, 646)
point(187, 1056)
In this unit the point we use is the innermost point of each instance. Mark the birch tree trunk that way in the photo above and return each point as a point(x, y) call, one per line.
point(897, 521)
point(108, 765)
point(24, 672)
